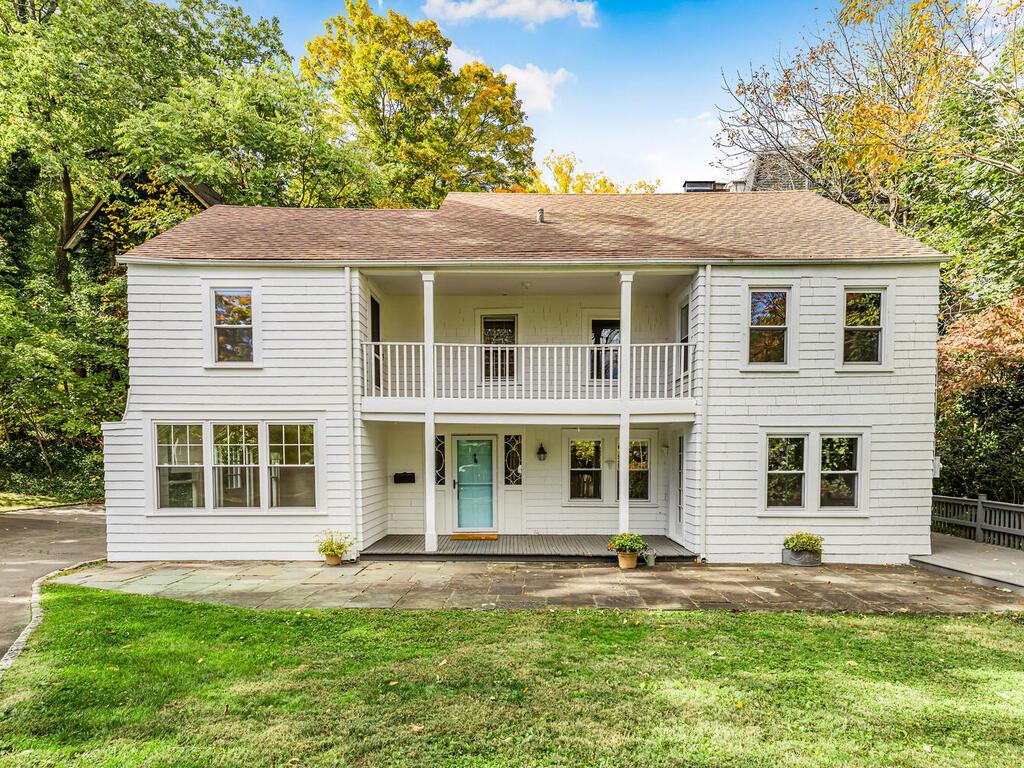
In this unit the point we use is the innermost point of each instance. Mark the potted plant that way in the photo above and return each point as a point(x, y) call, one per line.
point(802, 548)
point(333, 545)
point(627, 546)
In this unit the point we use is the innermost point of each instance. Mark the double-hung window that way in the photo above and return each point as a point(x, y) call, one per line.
point(605, 336)
point(499, 338)
point(786, 471)
point(292, 465)
point(640, 470)
point(236, 465)
point(768, 326)
point(862, 326)
point(840, 462)
point(233, 325)
point(179, 466)
point(584, 470)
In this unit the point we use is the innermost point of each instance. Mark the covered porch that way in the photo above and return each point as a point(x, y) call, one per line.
point(514, 547)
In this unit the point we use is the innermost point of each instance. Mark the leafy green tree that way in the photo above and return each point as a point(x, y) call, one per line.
point(71, 72)
point(18, 177)
point(259, 136)
point(429, 128)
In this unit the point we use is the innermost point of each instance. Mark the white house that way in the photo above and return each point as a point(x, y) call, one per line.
point(716, 369)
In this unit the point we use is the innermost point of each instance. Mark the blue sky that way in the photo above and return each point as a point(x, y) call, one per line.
point(630, 87)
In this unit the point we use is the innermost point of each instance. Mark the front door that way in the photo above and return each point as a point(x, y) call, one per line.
point(474, 486)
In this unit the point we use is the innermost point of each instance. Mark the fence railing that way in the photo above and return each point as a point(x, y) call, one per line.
point(527, 371)
point(990, 522)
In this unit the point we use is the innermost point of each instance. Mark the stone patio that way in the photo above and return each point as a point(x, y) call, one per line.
point(509, 585)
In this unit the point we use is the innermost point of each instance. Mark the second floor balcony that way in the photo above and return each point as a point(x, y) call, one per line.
point(518, 372)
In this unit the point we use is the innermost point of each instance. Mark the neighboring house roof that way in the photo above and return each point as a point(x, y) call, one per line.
point(503, 227)
point(202, 194)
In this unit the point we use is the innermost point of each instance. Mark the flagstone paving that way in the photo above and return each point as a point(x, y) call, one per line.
point(507, 585)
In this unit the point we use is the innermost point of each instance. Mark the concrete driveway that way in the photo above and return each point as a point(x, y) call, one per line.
point(34, 542)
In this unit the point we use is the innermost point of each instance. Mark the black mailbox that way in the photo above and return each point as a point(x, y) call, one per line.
point(405, 477)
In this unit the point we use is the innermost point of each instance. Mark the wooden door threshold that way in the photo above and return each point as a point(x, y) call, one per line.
point(474, 537)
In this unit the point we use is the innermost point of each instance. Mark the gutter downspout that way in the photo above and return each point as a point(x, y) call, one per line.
point(351, 377)
point(705, 395)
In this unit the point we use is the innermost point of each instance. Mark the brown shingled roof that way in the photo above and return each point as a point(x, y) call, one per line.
point(496, 227)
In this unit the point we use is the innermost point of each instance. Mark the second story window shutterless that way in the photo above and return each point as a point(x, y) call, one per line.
point(233, 325)
point(768, 321)
point(862, 327)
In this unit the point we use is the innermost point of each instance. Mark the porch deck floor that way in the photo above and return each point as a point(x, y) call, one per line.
point(514, 547)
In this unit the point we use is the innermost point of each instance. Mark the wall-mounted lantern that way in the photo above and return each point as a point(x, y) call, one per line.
point(541, 453)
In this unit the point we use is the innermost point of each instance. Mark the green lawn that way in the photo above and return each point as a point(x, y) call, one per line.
point(122, 680)
point(24, 500)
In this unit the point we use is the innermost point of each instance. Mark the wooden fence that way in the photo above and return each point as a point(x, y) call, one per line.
point(990, 522)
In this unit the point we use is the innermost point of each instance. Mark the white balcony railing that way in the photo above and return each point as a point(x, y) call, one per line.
point(526, 371)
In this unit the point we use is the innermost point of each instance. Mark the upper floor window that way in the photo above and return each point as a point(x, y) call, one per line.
point(233, 325)
point(684, 334)
point(499, 331)
point(769, 315)
point(862, 327)
point(604, 363)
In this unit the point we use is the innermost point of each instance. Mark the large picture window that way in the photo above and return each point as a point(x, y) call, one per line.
point(584, 470)
point(769, 315)
point(786, 471)
point(862, 327)
point(179, 466)
point(292, 465)
point(236, 465)
point(839, 471)
point(233, 325)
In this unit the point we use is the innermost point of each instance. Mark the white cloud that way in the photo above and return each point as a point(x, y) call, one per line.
point(460, 56)
point(536, 86)
point(530, 12)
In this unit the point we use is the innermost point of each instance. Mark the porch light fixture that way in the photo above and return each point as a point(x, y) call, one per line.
point(541, 453)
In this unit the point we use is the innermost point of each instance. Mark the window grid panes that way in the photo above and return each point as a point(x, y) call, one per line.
point(499, 332)
point(232, 325)
point(767, 331)
point(585, 469)
point(862, 327)
point(604, 361)
point(513, 459)
point(179, 459)
point(786, 470)
point(236, 465)
point(639, 470)
point(292, 469)
point(839, 471)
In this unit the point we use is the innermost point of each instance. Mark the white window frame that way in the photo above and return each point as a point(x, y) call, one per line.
point(812, 472)
point(886, 343)
point(208, 510)
point(482, 318)
point(606, 499)
point(805, 485)
point(212, 464)
point(857, 488)
point(792, 361)
point(210, 287)
point(652, 495)
point(155, 475)
point(606, 315)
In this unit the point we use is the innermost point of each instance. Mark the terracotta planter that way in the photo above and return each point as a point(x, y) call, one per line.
point(627, 560)
point(801, 558)
point(332, 559)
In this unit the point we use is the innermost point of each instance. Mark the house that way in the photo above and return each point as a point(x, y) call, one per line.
point(715, 370)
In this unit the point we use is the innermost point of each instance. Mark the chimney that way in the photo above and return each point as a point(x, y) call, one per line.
point(540, 215)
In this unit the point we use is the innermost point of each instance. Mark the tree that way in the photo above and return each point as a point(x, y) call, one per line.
point(18, 177)
point(430, 129)
point(72, 70)
point(559, 173)
point(259, 136)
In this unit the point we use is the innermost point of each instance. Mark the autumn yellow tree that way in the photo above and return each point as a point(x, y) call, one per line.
point(561, 173)
point(429, 128)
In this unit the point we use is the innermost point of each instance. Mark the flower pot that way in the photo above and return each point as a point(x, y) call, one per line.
point(801, 558)
point(332, 559)
point(650, 557)
point(627, 560)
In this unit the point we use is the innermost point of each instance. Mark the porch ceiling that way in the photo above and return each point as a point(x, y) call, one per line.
point(529, 282)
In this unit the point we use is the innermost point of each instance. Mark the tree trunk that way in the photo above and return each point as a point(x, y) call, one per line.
point(62, 264)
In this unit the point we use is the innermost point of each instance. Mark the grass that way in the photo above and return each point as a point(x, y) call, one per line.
point(9, 501)
point(121, 680)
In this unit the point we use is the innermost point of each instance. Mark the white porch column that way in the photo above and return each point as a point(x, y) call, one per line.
point(625, 391)
point(429, 491)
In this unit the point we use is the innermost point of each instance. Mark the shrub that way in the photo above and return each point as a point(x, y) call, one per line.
point(627, 542)
point(334, 543)
point(77, 471)
point(802, 541)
